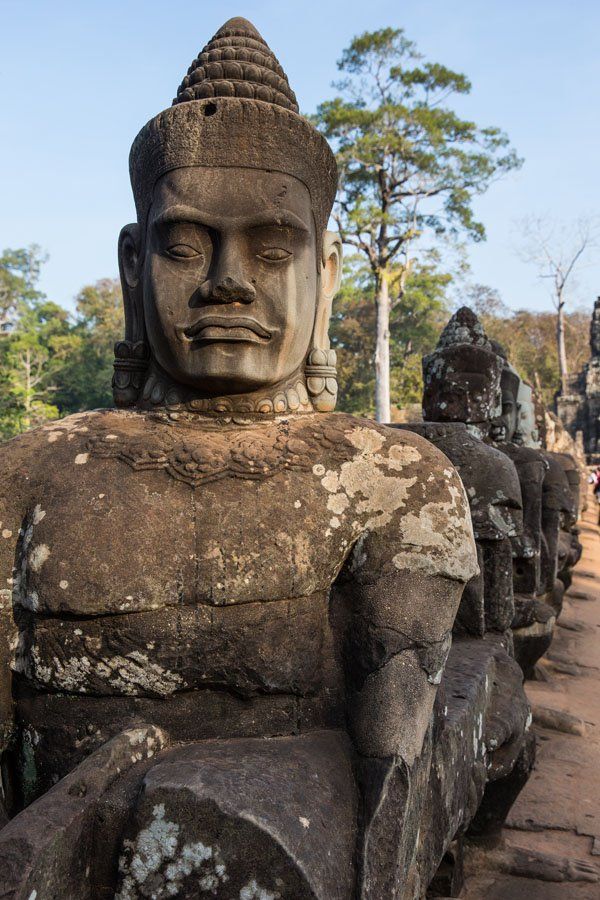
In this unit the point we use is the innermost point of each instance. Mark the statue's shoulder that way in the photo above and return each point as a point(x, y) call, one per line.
point(35, 454)
point(521, 454)
point(406, 494)
point(383, 445)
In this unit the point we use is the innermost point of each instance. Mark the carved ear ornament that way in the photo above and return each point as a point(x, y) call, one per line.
point(321, 379)
point(132, 359)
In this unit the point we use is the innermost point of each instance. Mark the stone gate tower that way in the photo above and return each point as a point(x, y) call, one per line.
point(579, 410)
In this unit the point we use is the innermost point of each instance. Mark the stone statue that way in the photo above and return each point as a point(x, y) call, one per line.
point(224, 560)
point(462, 407)
point(462, 384)
point(534, 620)
point(560, 547)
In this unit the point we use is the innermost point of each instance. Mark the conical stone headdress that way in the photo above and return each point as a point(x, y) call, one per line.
point(235, 108)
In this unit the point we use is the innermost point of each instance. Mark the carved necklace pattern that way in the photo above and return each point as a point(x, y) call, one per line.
point(219, 453)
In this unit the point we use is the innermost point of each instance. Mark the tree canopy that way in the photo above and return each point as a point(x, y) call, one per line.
point(409, 166)
point(51, 363)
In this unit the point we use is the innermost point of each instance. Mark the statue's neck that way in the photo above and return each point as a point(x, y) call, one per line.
point(160, 391)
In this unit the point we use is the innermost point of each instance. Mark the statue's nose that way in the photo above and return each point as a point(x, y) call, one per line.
point(230, 290)
point(226, 290)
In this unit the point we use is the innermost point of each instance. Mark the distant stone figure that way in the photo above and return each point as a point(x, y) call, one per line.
point(579, 407)
point(462, 384)
point(167, 568)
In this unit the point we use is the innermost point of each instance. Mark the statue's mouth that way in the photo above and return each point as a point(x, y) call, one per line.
point(209, 329)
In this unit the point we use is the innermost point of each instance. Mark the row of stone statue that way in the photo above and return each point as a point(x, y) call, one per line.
point(524, 499)
point(252, 649)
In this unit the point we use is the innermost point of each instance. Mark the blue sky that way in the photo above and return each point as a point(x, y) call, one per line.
point(78, 80)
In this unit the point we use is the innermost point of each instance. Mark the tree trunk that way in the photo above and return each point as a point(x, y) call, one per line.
point(382, 351)
point(28, 392)
point(560, 346)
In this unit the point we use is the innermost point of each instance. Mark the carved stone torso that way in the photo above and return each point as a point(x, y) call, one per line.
point(161, 554)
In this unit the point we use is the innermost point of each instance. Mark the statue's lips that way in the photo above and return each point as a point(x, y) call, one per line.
point(227, 328)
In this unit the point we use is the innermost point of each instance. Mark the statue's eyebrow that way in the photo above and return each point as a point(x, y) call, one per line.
point(275, 217)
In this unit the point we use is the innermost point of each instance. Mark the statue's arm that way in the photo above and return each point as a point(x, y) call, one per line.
point(403, 586)
point(395, 654)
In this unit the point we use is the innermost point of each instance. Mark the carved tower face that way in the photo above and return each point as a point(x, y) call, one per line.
point(229, 274)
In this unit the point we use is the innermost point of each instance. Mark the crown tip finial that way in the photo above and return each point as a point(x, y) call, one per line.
point(239, 24)
point(237, 62)
point(464, 327)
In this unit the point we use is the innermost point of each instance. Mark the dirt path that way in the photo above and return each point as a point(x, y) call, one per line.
point(558, 812)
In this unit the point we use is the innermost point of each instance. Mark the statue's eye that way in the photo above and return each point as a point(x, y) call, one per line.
point(275, 254)
point(183, 251)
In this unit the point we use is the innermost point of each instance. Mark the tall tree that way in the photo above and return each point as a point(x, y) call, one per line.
point(409, 167)
point(415, 323)
point(556, 252)
point(51, 363)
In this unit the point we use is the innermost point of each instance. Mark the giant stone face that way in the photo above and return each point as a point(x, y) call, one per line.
point(230, 277)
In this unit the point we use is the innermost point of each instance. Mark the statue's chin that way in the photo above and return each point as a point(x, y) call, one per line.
point(228, 368)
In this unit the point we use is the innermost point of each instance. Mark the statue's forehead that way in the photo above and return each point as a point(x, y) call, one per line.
point(241, 191)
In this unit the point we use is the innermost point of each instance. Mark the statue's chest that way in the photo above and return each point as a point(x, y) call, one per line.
point(117, 538)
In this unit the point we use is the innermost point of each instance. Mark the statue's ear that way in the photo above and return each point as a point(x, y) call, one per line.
point(321, 374)
point(129, 270)
point(329, 283)
point(131, 354)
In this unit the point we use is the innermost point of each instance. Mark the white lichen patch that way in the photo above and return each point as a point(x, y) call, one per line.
point(63, 584)
point(6, 533)
point(38, 556)
point(81, 459)
point(131, 675)
point(402, 455)
point(365, 479)
point(253, 891)
point(155, 864)
point(338, 503)
point(38, 514)
point(439, 540)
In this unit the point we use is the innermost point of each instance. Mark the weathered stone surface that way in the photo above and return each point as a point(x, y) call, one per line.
point(245, 819)
point(494, 495)
point(461, 378)
point(480, 734)
point(46, 850)
point(172, 562)
point(532, 627)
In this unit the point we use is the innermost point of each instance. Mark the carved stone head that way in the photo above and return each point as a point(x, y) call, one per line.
point(229, 273)
point(509, 388)
point(527, 432)
point(462, 375)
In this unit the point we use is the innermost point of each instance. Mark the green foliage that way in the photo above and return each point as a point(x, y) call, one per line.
point(415, 323)
point(408, 164)
point(52, 364)
point(86, 377)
